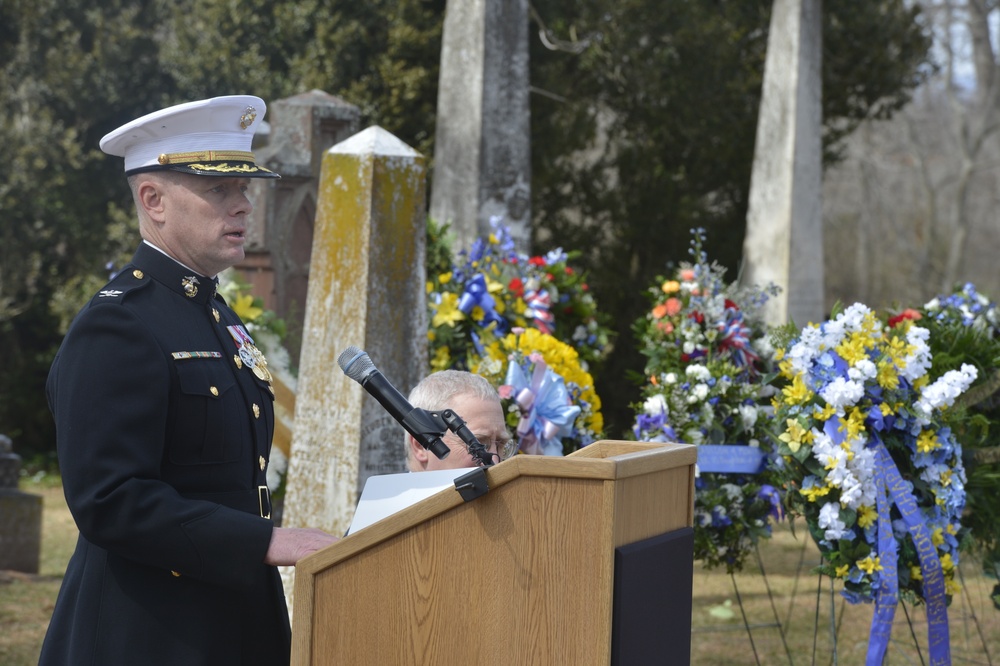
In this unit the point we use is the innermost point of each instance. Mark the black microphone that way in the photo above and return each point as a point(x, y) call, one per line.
point(420, 423)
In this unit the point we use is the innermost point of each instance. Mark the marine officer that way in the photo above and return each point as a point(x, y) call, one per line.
point(164, 416)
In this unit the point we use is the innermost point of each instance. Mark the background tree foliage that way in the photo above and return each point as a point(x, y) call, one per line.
point(650, 132)
point(641, 134)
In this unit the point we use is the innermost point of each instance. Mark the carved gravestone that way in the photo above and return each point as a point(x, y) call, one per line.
point(366, 289)
point(20, 516)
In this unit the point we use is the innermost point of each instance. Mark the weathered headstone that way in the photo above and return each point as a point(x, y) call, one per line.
point(482, 147)
point(784, 238)
point(20, 516)
point(366, 288)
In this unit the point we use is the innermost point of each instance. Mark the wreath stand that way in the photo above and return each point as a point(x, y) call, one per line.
point(747, 626)
point(967, 609)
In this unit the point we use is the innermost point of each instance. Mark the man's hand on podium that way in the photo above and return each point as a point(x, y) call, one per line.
point(291, 544)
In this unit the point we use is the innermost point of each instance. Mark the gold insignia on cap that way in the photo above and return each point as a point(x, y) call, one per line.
point(238, 360)
point(175, 574)
point(249, 115)
point(263, 463)
point(256, 411)
point(205, 156)
point(214, 391)
point(215, 313)
point(137, 274)
point(190, 285)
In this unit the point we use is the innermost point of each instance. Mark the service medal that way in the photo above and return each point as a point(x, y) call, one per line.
point(252, 357)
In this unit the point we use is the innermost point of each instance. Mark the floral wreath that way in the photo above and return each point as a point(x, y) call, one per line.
point(492, 289)
point(527, 324)
point(548, 395)
point(869, 460)
point(706, 348)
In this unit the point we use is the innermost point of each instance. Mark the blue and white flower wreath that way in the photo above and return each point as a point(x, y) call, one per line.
point(869, 461)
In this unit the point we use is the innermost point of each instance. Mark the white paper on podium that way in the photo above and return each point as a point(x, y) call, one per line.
point(385, 494)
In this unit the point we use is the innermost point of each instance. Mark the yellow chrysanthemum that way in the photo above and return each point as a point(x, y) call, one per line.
point(937, 538)
point(842, 571)
point(952, 587)
point(671, 286)
point(916, 573)
point(445, 278)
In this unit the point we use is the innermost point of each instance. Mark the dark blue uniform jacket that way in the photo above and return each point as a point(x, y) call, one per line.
point(164, 433)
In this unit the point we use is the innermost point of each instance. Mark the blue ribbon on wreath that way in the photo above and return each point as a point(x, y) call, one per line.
point(890, 489)
point(477, 293)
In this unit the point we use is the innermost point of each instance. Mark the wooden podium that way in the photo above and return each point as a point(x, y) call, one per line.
point(579, 560)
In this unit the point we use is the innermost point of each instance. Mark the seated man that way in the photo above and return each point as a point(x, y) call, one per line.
point(476, 401)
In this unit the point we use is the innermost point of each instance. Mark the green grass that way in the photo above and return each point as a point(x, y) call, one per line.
point(789, 596)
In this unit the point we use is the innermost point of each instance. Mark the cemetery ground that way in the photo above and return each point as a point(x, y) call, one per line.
point(786, 594)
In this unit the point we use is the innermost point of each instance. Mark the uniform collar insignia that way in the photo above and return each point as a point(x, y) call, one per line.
point(190, 285)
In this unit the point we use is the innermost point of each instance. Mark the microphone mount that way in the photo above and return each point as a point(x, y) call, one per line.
point(435, 423)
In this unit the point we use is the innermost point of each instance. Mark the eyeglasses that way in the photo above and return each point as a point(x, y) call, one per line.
point(505, 448)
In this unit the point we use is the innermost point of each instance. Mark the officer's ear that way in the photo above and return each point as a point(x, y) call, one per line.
point(149, 197)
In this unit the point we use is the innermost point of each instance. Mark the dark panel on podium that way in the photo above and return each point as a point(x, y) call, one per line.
point(652, 601)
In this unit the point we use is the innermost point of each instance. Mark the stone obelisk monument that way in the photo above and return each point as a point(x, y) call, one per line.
point(482, 147)
point(366, 289)
point(784, 238)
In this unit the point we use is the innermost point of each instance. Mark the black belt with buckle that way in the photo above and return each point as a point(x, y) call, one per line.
point(264, 501)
